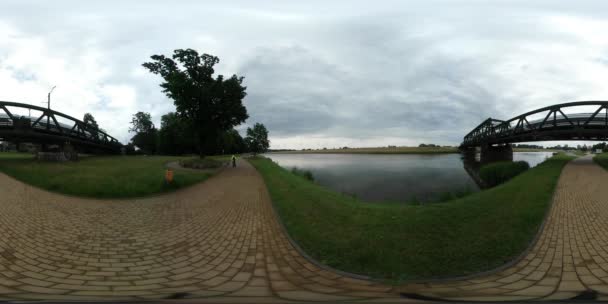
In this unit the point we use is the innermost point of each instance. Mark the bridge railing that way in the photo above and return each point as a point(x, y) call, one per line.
point(48, 123)
point(554, 119)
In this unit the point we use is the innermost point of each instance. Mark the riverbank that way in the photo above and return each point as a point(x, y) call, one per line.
point(100, 176)
point(602, 160)
point(399, 242)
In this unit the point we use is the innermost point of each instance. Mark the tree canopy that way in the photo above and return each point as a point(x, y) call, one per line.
point(257, 139)
point(141, 122)
point(90, 121)
point(210, 105)
point(145, 137)
point(175, 136)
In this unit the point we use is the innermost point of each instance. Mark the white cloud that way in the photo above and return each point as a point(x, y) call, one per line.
point(344, 73)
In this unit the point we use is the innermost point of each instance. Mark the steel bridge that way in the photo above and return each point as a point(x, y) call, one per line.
point(550, 123)
point(51, 127)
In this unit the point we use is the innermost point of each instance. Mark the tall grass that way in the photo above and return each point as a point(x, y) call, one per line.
point(499, 172)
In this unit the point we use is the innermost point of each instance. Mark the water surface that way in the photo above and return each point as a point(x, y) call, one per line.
point(395, 177)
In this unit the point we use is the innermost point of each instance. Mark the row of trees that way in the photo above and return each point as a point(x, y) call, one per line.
point(177, 137)
point(207, 109)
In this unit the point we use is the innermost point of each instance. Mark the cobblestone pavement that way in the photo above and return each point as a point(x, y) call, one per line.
point(217, 238)
point(220, 241)
point(569, 258)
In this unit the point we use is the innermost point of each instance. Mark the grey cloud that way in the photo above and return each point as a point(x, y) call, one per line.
point(429, 70)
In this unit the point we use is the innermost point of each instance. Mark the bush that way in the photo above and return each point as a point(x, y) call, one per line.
point(303, 173)
point(497, 173)
point(200, 163)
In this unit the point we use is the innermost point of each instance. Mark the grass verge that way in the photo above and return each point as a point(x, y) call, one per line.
point(99, 177)
point(399, 242)
point(602, 160)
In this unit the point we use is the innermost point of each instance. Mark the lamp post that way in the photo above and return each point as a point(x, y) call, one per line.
point(48, 106)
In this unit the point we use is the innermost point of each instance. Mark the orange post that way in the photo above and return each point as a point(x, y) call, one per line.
point(169, 176)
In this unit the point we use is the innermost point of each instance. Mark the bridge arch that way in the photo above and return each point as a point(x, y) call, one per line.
point(51, 127)
point(555, 125)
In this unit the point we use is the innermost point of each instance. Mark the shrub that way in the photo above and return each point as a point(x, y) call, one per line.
point(200, 163)
point(303, 173)
point(497, 173)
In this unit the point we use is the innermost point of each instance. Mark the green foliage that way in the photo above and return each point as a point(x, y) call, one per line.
point(175, 136)
point(211, 105)
point(90, 121)
point(101, 177)
point(601, 146)
point(401, 241)
point(257, 139)
point(146, 137)
point(602, 160)
point(231, 142)
point(141, 123)
point(303, 173)
point(499, 172)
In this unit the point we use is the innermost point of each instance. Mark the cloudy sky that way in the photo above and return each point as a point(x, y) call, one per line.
point(318, 73)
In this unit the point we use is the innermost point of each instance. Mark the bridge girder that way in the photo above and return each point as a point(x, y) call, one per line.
point(50, 131)
point(556, 125)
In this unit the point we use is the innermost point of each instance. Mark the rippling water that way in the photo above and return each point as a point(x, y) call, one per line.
point(399, 177)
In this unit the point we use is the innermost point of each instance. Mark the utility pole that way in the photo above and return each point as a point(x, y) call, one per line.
point(48, 106)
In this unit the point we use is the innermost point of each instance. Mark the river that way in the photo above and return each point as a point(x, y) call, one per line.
point(394, 177)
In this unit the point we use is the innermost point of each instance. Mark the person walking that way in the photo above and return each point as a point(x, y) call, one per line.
point(233, 161)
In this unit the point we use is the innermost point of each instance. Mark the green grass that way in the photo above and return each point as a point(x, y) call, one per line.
point(499, 172)
point(398, 242)
point(602, 160)
point(99, 177)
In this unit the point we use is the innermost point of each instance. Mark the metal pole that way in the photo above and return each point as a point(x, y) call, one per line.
point(48, 106)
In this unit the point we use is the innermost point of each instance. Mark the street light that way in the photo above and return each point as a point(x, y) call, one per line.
point(48, 106)
point(49, 97)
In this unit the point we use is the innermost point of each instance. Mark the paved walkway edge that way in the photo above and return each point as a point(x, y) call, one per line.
point(302, 252)
point(498, 269)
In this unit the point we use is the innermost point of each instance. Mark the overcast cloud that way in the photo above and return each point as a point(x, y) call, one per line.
point(355, 73)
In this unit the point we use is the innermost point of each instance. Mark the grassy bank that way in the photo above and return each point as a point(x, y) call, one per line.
point(396, 242)
point(382, 150)
point(602, 160)
point(101, 177)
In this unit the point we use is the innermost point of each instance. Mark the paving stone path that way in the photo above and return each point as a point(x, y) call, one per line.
point(569, 258)
point(218, 238)
point(220, 241)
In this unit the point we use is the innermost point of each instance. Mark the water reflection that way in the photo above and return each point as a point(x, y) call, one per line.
point(399, 178)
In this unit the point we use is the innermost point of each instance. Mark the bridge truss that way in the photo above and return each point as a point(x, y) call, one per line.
point(552, 124)
point(51, 127)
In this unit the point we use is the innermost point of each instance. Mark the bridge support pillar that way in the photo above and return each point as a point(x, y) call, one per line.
point(489, 153)
point(66, 153)
point(474, 158)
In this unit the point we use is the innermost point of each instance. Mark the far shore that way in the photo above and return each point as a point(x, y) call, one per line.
point(395, 150)
point(378, 150)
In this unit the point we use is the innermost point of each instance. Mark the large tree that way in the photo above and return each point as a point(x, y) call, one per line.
point(231, 142)
point(141, 122)
point(90, 121)
point(210, 105)
point(175, 136)
point(257, 139)
point(145, 137)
